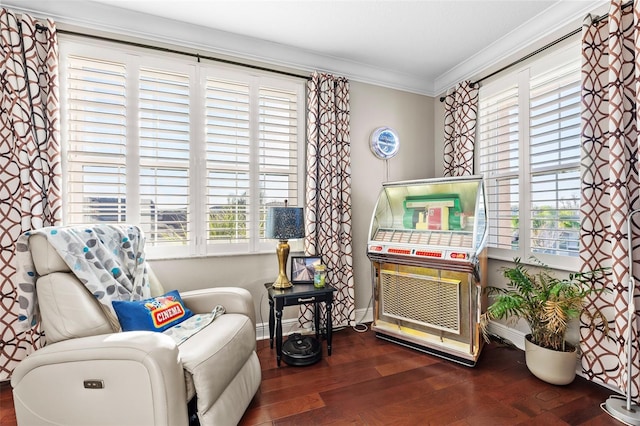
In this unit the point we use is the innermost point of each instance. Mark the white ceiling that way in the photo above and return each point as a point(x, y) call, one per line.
point(425, 46)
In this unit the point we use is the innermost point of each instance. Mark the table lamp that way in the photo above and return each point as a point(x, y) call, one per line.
point(284, 223)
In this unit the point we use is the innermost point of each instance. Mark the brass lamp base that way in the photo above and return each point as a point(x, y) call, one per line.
point(282, 282)
point(283, 255)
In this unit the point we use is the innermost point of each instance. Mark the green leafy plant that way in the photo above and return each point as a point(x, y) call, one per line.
point(545, 302)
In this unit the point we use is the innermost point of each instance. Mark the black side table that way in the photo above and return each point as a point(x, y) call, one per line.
point(299, 294)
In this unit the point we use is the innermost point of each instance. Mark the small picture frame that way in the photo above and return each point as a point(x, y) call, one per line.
point(303, 268)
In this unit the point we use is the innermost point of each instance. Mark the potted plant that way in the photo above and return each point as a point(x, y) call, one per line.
point(547, 304)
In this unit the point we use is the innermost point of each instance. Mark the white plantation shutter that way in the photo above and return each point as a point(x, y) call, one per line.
point(499, 158)
point(191, 152)
point(529, 154)
point(164, 156)
point(278, 155)
point(96, 141)
point(228, 161)
point(555, 159)
point(252, 134)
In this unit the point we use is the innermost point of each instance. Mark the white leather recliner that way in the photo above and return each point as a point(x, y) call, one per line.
point(90, 373)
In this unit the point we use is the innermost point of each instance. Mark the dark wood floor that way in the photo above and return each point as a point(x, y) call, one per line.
point(368, 381)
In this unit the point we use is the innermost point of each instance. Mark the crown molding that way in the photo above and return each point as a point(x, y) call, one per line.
point(104, 18)
point(557, 20)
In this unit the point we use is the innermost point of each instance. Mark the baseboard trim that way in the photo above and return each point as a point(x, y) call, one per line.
point(507, 333)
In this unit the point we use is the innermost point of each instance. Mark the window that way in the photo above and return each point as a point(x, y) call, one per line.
point(194, 153)
point(529, 155)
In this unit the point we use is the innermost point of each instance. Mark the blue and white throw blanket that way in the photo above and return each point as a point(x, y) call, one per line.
point(187, 328)
point(108, 259)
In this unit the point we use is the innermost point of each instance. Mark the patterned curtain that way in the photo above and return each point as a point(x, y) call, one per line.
point(610, 189)
point(460, 112)
point(29, 158)
point(328, 198)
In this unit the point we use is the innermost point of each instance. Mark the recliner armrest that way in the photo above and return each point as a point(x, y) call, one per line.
point(235, 300)
point(142, 346)
point(134, 377)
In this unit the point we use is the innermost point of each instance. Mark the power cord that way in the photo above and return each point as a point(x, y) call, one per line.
point(362, 326)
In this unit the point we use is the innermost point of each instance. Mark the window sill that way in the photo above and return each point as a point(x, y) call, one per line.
point(561, 264)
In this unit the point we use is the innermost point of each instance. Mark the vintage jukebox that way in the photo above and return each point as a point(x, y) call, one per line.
point(427, 249)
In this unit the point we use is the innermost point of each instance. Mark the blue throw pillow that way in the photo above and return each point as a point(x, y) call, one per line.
point(154, 314)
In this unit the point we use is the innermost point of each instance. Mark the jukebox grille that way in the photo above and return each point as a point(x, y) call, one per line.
point(426, 300)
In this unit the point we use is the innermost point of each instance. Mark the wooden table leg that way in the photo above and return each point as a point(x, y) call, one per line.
point(278, 335)
point(271, 323)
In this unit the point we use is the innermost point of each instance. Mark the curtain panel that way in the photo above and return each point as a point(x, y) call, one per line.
point(610, 190)
point(328, 191)
point(29, 159)
point(460, 114)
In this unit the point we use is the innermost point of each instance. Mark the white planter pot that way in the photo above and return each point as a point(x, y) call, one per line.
point(555, 367)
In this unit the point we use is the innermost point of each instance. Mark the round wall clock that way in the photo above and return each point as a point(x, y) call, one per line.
point(385, 143)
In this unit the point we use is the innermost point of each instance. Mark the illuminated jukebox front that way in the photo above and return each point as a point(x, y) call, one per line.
point(427, 249)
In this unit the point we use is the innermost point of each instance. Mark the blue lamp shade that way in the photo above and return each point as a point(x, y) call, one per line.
point(285, 223)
